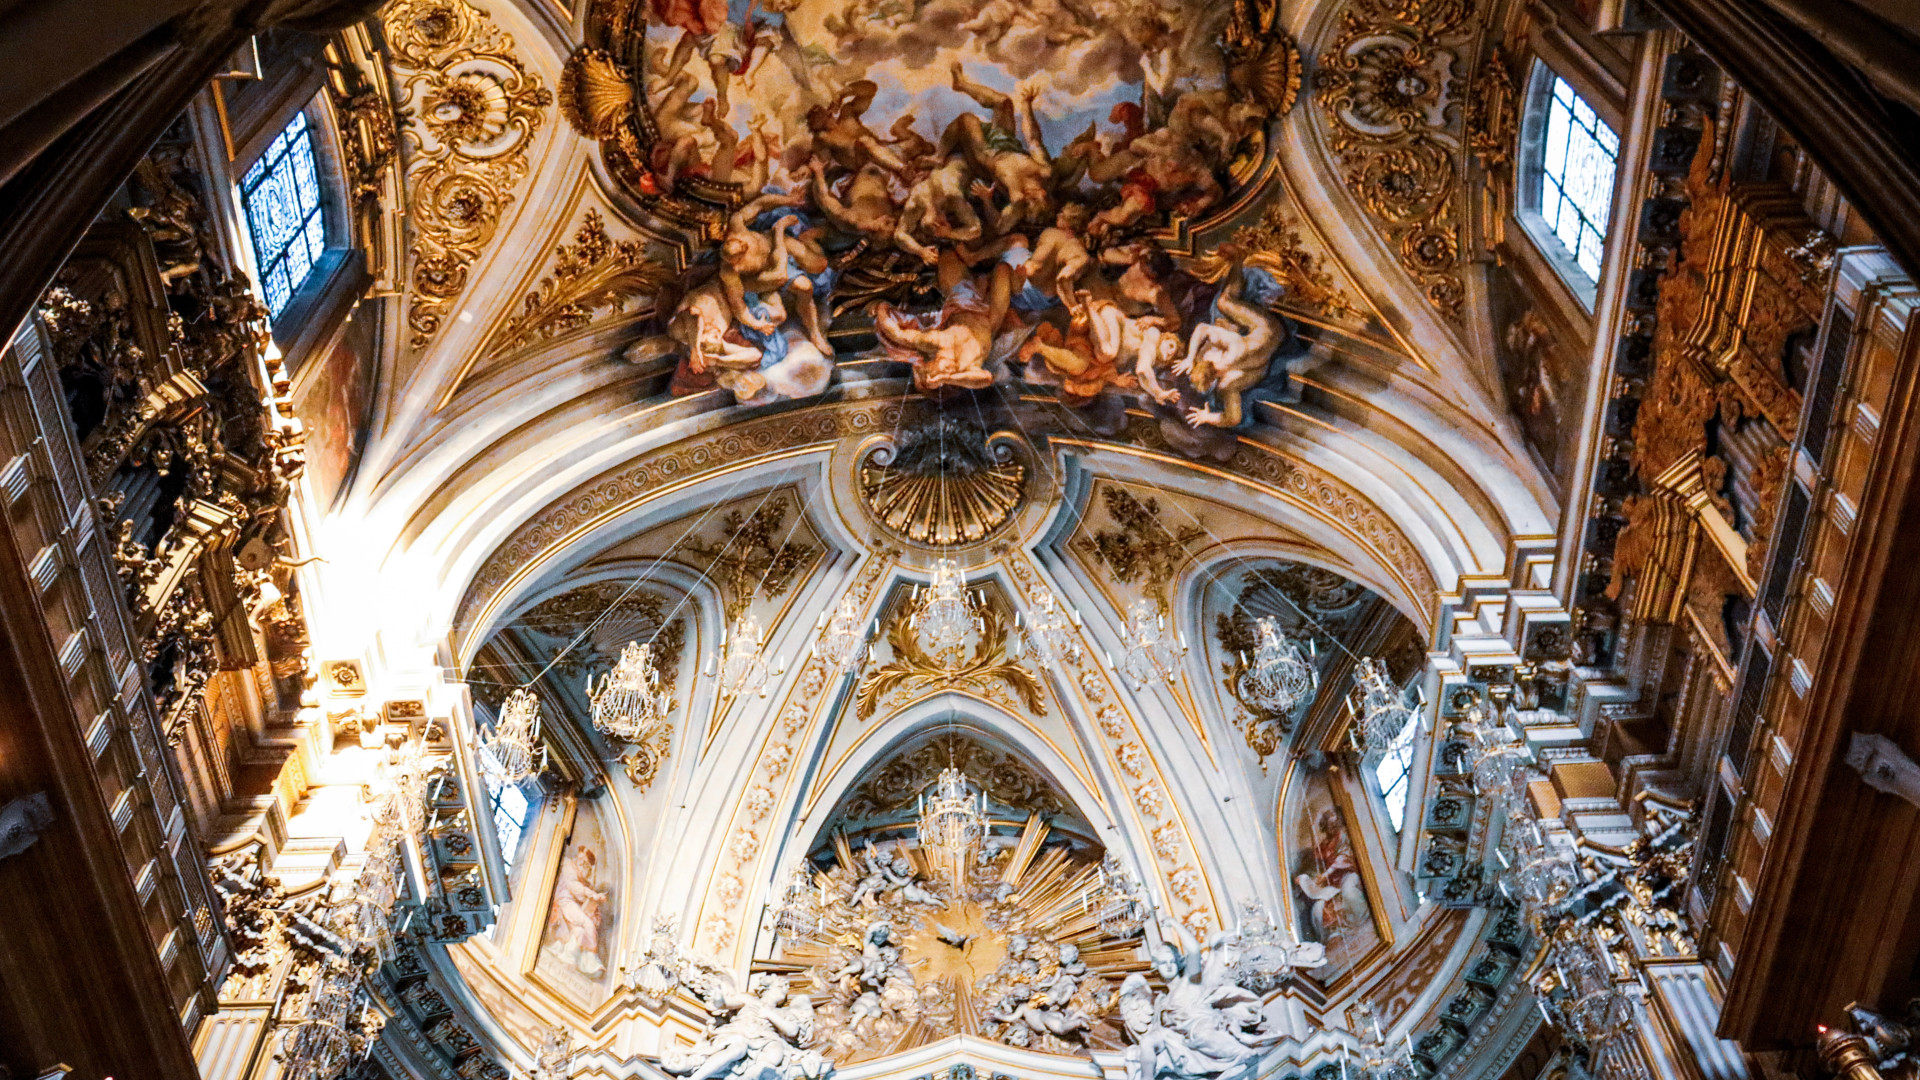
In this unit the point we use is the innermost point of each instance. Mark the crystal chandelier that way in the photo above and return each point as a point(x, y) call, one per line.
point(629, 704)
point(953, 821)
point(1152, 653)
point(1116, 900)
point(1380, 1059)
point(1051, 631)
point(1497, 757)
point(742, 664)
point(1267, 953)
point(1279, 675)
point(1594, 1007)
point(801, 906)
point(400, 791)
point(842, 639)
point(1380, 712)
point(946, 617)
point(1538, 867)
point(659, 970)
point(512, 752)
point(319, 1046)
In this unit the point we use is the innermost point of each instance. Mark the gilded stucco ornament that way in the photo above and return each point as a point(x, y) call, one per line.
point(473, 110)
point(1392, 107)
point(1274, 245)
point(984, 666)
point(944, 484)
point(753, 555)
point(594, 272)
point(1142, 550)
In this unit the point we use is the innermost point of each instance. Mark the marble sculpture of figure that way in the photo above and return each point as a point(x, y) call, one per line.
point(758, 1035)
point(1203, 1024)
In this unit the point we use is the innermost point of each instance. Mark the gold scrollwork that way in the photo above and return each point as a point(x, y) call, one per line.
point(593, 272)
point(912, 670)
point(474, 110)
point(1387, 90)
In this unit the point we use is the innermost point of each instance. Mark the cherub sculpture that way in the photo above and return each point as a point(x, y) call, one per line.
point(1203, 1024)
point(758, 1035)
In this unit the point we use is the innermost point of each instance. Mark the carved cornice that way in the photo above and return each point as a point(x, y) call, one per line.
point(1294, 481)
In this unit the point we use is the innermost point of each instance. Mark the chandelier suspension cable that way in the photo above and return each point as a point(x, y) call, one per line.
point(1234, 561)
point(1381, 707)
point(511, 743)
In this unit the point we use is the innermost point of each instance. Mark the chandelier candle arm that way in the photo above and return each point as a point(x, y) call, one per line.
point(630, 703)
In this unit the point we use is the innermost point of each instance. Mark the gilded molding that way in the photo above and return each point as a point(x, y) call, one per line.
point(473, 109)
point(674, 464)
point(1319, 493)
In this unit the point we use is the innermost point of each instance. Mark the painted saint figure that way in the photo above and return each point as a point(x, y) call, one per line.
point(573, 920)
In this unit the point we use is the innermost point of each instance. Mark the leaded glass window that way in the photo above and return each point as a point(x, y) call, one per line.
point(1576, 176)
point(1394, 771)
point(509, 816)
point(281, 197)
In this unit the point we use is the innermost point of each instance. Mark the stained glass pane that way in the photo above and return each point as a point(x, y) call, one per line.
point(1394, 770)
point(280, 194)
point(1577, 164)
point(509, 817)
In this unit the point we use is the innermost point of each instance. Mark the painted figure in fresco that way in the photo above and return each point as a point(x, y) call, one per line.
point(938, 204)
point(856, 172)
point(953, 350)
point(866, 208)
point(758, 1035)
point(1230, 356)
point(841, 136)
point(1338, 895)
point(703, 326)
point(757, 264)
point(573, 920)
point(1008, 150)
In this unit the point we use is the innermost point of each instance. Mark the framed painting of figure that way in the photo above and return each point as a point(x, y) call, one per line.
point(577, 936)
point(1329, 879)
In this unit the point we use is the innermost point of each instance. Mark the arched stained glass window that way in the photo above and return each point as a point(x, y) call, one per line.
point(280, 195)
point(1577, 163)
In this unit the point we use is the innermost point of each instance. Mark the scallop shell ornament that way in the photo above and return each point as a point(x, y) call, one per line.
point(595, 93)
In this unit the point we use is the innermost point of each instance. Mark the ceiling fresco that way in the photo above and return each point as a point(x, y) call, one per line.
point(991, 194)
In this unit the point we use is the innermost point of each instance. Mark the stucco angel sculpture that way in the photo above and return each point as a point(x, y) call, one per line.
point(758, 1035)
point(1204, 1024)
